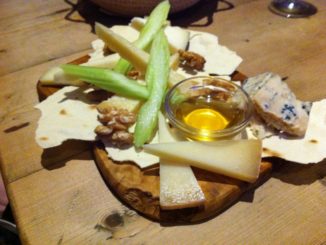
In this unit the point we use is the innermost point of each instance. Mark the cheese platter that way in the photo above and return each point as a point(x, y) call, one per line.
point(139, 188)
point(172, 168)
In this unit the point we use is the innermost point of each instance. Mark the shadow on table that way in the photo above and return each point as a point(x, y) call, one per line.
point(57, 157)
point(299, 174)
point(204, 9)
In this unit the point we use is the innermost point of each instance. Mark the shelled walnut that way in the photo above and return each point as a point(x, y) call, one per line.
point(192, 60)
point(115, 124)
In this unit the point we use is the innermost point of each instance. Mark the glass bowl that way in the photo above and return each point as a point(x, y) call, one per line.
point(208, 108)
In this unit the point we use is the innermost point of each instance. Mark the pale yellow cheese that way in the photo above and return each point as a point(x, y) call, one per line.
point(137, 57)
point(178, 38)
point(48, 76)
point(120, 102)
point(239, 159)
point(178, 185)
point(127, 32)
point(108, 61)
point(56, 75)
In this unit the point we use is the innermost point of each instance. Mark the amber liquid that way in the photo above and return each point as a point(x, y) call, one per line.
point(208, 115)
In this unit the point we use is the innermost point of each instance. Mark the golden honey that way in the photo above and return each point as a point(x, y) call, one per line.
point(208, 115)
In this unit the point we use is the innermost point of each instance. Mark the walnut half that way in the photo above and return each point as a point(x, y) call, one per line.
point(115, 124)
point(192, 60)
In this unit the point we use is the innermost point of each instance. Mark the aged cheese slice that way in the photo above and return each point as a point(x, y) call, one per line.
point(137, 57)
point(48, 77)
point(239, 159)
point(178, 185)
point(178, 38)
point(56, 76)
point(121, 102)
point(127, 32)
point(98, 50)
point(108, 61)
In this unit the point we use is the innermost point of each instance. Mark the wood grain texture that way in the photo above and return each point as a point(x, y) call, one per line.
point(288, 209)
point(139, 189)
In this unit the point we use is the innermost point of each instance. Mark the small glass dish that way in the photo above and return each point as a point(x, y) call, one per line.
point(208, 108)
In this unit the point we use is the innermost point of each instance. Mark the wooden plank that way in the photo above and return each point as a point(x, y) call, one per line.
point(19, 152)
point(293, 48)
point(70, 204)
point(288, 209)
point(65, 205)
point(30, 33)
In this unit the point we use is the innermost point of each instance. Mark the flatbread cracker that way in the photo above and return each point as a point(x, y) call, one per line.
point(309, 149)
point(66, 114)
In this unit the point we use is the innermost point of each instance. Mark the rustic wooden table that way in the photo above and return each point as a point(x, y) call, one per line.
point(61, 198)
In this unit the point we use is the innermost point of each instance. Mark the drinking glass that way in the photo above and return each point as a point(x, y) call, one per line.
point(292, 8)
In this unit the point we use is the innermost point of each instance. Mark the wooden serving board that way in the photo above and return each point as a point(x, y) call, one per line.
point(139, 188)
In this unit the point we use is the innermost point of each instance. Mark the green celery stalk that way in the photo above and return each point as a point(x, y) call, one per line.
point(108, 80)
point(155, 21)
point(157, 75)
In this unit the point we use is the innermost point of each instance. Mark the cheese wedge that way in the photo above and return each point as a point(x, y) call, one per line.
point(239, 159)
point(56, 76)
point(137, 57)
point(178, 38)
point(108, 61)
point(127, 32)
point(178, 185)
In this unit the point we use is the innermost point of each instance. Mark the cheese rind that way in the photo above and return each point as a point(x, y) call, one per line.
point(178, 185)
point(234, 158)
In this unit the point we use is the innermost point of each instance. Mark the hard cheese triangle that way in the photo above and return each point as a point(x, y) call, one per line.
point(239, 159)
point(178, 185)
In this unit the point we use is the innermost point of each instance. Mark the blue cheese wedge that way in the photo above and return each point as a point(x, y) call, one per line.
point(276, 104)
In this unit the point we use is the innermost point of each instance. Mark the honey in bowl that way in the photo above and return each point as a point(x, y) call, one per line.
point(207, 109)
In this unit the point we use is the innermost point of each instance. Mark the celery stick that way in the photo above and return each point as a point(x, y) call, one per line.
point(155, 21)
point(108, 80)
point(123, 66)
point(157, 81)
